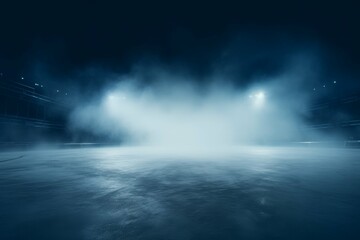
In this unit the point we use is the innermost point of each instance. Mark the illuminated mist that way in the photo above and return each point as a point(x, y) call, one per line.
point(174, 111)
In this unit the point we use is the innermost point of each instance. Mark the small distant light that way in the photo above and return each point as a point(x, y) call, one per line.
point(36, 84)
point(314, 89)
point(65, 93)
point(42, 86)
point(334, 82)
point(324, 86)
point(22, 78)
point(57, 91)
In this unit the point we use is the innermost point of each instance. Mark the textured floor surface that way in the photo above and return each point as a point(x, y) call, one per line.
point(137, 193)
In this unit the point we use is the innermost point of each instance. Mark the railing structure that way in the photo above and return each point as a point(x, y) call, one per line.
point(23, 109)
point(339, 117)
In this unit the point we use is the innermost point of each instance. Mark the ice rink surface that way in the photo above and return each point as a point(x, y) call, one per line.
point(143, 193)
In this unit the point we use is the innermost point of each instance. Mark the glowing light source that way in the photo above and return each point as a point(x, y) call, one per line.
point(260, 95)
point(116, 97)
point(111, 96)
point(258, 98)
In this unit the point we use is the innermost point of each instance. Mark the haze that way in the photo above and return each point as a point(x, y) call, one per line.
point(174, 111)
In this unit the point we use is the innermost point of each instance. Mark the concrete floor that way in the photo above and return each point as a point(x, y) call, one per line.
point(144, 193)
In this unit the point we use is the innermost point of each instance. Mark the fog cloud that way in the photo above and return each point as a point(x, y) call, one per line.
point(175, 110)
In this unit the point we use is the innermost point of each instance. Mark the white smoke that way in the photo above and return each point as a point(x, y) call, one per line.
point(175, 111)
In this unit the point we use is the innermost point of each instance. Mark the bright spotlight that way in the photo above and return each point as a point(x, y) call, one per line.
point(260, 95)
point(114, 98)
point(111, 96)
point(258, 98)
